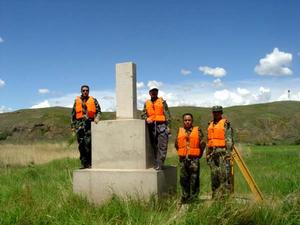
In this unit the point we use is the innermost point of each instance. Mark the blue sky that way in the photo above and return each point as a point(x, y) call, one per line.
point(198, 52)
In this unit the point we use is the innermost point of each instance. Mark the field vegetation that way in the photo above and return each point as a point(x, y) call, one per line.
point(42, 194)
point(38, 153)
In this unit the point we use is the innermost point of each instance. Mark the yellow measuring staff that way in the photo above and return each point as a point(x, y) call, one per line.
point(246, 173)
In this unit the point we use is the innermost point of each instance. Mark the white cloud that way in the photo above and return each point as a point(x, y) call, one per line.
point(243, 91)
point(222, 95)
point(44, 91)
point(264, 95)
point(242, 96)
point(154, 83)
point(215, 72)
point(4, 109)
point(217, 83)
point(226, 97)
point(275, 64)
point(139, 85)
point(2, 83)
point(43, 104)
point(105, 98)
point(1, 40)
point(185, 72)
point(195, 93)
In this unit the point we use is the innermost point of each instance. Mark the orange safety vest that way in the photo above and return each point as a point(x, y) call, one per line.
point(155, 110)
point(188, 144)
point(216, 134)
point(91, 108)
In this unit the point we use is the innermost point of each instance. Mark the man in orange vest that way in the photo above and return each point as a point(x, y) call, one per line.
point(190, 146)
point(218, 155)
point(86, 110)
point(157, 116)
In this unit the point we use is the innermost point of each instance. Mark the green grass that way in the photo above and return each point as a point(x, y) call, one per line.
point(42, 194)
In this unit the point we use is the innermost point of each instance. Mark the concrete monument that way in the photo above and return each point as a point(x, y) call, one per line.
point(122, 157)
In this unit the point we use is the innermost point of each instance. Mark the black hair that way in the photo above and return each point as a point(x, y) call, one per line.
point(84, 86)
point(188, 114)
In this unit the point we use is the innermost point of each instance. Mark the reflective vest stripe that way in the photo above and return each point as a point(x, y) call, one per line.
point(188, 144)
point(216, 134)
point(155, 110)
point(91, 108)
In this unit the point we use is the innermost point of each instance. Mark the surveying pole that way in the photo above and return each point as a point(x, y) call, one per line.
point(246, 173)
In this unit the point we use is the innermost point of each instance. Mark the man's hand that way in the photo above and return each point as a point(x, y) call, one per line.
point(73, 131)
point(207, 156)
point(169, 130)
point(228, 156)
point(148, 120)
point(96, 120)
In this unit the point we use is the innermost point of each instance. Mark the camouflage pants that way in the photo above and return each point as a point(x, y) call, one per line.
point(159, 140)
point(84, 145)
point(189, 179)
point(221, 180)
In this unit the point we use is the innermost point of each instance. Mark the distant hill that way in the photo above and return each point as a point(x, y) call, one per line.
point(261, 124)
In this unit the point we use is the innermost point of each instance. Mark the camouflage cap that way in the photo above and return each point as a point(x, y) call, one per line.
point(217, 108)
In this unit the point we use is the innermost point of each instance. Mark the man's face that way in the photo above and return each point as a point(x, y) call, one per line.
point(153, 93)
point(187, 121)
point(217, 115)
point(85, 92)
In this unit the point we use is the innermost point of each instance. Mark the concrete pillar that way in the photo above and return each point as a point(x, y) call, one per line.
point(126, 91)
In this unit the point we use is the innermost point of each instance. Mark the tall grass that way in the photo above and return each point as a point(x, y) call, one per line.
point(37, 153)
point(42, 194)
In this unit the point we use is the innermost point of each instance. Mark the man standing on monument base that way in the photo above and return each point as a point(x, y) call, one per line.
point(158, 118)
point(218, 155)
point(86, 110)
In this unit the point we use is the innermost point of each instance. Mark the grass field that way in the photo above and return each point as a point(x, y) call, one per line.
point(22, 155)
point(42, 194)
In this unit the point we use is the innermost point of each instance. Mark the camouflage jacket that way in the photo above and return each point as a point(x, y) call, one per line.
point(78, 123)
point(201, 138)
point(166, 113)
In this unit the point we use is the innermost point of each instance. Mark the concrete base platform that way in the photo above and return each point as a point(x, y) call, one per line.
point(98, 185)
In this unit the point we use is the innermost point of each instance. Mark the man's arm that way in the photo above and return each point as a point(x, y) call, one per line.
point(228, 137)
point(144, 113)
point(73, 116)
point(176, 140)
point(167, 113)
point(98, 110)
point(202, 142)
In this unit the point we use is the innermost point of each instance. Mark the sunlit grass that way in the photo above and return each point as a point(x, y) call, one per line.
point(20, 155)
point(42, 194)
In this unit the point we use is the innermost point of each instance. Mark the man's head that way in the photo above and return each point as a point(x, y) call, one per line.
point(217, 112)
point(153, 92)
point(85, 91)
point(187, 120)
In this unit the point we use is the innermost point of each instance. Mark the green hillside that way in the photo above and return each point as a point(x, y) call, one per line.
point(262, 124)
